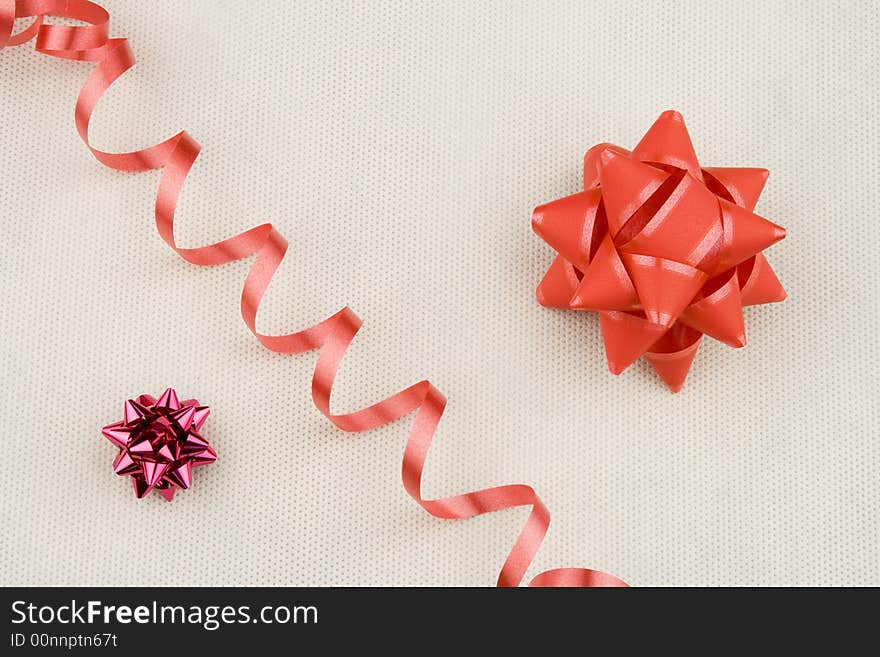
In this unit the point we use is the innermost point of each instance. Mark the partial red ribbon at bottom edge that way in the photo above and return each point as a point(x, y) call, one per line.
point(175, 156)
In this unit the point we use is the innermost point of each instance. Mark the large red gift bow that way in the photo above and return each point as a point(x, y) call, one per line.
point(662, 248)
point(175, 157)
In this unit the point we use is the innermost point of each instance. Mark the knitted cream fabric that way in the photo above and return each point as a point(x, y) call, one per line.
point(401, 147)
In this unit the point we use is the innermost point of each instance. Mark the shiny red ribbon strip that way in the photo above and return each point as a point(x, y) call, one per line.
point(175, 156)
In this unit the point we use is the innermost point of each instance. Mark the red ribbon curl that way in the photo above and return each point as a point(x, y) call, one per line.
point(175, 157)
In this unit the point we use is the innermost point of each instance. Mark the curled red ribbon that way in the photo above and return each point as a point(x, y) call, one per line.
point(175, 156)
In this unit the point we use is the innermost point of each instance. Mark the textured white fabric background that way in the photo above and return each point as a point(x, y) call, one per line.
point(401, 147)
